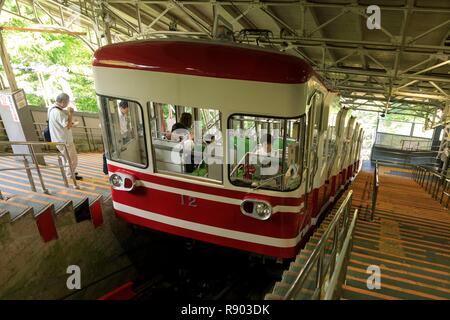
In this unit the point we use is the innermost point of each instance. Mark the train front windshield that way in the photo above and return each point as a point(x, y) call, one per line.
point(266, 152)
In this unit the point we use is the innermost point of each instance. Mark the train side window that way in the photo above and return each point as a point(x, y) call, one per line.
point(186, 140)
point(266, 152)
point(124, 127)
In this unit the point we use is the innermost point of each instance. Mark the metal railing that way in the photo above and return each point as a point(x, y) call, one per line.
point(435, 183)
point(324, 271)
point(34, 164)
point(416, 145)
point(376, 185)
point(402, 142)
point(90, 137)
point(405, 157)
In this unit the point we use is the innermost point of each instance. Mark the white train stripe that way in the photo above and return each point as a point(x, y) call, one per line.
point(226, 233)
point(211, 197)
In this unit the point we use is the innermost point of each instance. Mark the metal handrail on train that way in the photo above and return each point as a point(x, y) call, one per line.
point(329, 266)
point(376, 185)
point(35, 164)
point(434, 182)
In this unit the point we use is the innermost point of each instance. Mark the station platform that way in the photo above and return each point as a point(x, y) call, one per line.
point(408, 239)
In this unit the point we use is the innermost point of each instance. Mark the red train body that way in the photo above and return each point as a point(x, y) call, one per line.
point(258, 166)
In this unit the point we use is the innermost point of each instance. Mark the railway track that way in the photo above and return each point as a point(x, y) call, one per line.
point(174, 267)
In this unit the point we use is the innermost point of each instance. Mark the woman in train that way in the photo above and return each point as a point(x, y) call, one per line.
point(181, 133)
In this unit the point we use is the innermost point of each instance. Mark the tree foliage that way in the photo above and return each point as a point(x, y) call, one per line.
point(46, 64)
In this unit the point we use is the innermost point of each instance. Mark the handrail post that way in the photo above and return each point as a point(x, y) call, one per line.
point(63, 174)
point(68, 161)
point(319, 273)
point(38, 170)
point(375, 191)
point(29, 174)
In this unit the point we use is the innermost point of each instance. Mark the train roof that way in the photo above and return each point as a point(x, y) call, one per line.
point(205, 59)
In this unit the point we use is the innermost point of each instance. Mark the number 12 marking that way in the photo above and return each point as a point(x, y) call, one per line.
point(191, 201)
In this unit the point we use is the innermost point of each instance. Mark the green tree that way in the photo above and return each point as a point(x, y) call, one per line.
point(46, 64)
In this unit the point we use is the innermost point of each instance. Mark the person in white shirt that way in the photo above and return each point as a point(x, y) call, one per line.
point(60, 120)
point(124, 121)
point(267, 155)
point(181, 133)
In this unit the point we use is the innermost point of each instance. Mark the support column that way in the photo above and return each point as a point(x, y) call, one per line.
point(7, 65)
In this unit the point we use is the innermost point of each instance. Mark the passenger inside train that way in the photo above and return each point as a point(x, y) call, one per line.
point(193, 147)
point(266, 152)
point(125, 130)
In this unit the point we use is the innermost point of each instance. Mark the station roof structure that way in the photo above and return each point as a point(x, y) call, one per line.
point(403, 67)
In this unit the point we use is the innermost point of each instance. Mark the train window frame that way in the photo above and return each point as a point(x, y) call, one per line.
point(107, 133)
point(302, 132)
point(195, 111)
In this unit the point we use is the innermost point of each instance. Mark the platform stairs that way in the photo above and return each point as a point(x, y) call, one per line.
point(406, 235)
point(55, 198)
point(48, 223)
point(402, 235)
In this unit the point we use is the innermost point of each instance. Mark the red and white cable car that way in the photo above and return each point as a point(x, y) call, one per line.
point(255, 142)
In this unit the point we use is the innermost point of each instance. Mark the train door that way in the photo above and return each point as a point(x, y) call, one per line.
point(340, 129)
point(348, 148)
point(312, 158)
point(123, 125)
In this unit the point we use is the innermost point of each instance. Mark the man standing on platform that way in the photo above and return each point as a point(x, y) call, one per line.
point(60, 125)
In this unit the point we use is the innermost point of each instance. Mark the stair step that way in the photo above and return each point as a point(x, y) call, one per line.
point(280, 289)
point(76, 199)
point(15, 210)
point(80, 203)
point(92, 196)
point(59, 203)
point(38, 205)
point(271, 296)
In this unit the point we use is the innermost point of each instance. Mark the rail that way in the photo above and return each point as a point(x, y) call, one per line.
point(421, 157)
point(376, 185)
point(323, 272)
point(435, 183)
point(32, 154)
point(91, 137)
point(402, 142)
point(416, 145)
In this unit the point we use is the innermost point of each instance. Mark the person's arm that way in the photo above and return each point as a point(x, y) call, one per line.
point(69, 118)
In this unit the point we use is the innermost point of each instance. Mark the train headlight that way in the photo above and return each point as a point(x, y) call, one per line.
point(255, 208)
point(122, 181)
point(116, 181)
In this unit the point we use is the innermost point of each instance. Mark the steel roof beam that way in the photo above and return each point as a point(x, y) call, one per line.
point(298, 3)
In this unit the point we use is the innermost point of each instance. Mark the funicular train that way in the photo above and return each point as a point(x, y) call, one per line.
point(258, 157)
